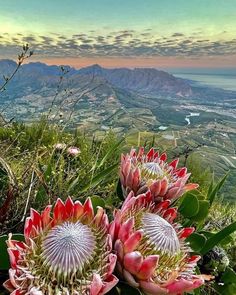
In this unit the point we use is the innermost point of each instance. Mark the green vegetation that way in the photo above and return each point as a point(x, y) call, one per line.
point(34, 173)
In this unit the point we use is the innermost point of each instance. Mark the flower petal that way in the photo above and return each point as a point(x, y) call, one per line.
point(133, 262)
point(130, 279)
point(132, 242)
point(185, 232)
point(69, 206)
point(109, 284)
point(78, 210)
point(148, 267)
point(46, 216)
point(59, 211)
point(96, 285)
point(163, 157)
point(182, 285)
point(174, 163)
point(164, 186)
point(119, 250)
point(88, 209)
point(152, 288)
point(126, 229)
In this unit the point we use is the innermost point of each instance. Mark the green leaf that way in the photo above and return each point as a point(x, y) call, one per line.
point(227, 240)
point(211, 185)
point(212, 192)
point(217, 238)
point(95, 180)
point(207, 234)
point(197, 291)
point(229, 276)
point(202, 212)
point(74, 183)
point(197, 241)
point(48, 172)
point(189, 206)
point(109, 153)
point(4, 257)
point(11, 176)
point(198, 194)
point(41, 195)
point(119, 190)
point(227, 289)
point(97, 201)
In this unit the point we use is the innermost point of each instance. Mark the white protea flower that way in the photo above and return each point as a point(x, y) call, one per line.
point(151, 251)
point(66, 252)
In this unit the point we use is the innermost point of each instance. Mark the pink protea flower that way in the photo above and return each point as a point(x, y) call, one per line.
point(151, 251)
point(73, 151)
point(66, 252)
point(140, 172)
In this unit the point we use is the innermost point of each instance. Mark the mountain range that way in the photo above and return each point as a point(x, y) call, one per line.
point(98, 96)
point(142, 80)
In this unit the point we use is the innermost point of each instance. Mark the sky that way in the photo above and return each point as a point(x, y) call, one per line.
point(122, 33)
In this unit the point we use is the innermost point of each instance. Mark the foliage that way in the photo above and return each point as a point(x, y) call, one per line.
point(43, 173)
point(199, 173)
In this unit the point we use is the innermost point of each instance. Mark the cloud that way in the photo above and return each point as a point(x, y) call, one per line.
point(124, 43)
point(178, 35)
point(28, 39)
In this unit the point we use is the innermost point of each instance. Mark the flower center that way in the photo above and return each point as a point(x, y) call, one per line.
point(68, 247)
point(152, 169)
point(160, 233)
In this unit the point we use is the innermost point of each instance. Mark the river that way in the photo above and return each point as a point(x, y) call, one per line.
point(187, 118)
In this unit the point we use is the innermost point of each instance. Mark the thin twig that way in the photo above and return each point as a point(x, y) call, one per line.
point(28, 197)
point(21, 58)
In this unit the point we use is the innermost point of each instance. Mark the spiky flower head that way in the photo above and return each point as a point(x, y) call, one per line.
point(151, 250)
point(140, 172)
point(66, 252)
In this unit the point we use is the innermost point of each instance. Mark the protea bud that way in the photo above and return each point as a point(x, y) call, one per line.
point(59, 147)
point(73, 151)
point(151, 251)
point(67, 252)
point(140, 172)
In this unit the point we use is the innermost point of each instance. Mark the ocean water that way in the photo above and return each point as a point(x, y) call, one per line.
point(225, 79)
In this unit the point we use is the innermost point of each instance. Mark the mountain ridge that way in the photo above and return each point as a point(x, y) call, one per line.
point(143, 80)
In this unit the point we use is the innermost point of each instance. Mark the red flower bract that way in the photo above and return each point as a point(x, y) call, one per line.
point(67, 252)
point(140, 172)
point(151, 251)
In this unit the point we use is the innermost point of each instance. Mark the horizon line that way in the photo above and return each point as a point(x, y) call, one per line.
point(42, 61)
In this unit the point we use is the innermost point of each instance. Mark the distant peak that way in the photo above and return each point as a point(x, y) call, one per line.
point(96, 66)
point(93, 69)
point(38, 64)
